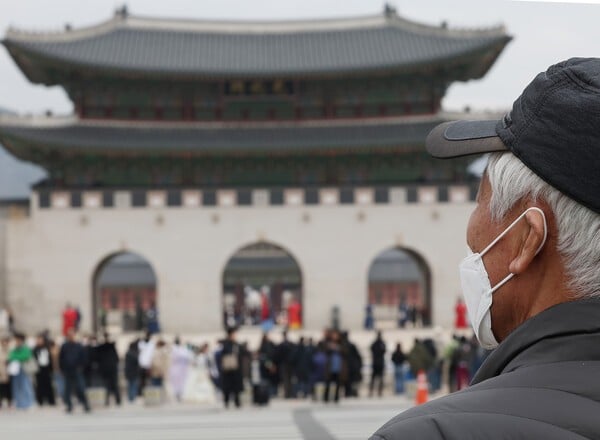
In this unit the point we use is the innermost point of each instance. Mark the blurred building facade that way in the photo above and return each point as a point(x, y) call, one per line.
point(193, 141)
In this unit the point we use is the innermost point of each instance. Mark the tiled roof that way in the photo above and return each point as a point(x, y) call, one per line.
point(75, 135)
point(205, 48)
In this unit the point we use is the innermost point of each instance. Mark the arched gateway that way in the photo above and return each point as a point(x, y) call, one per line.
point(399, 290)
point(262, 282)
point(124, 293)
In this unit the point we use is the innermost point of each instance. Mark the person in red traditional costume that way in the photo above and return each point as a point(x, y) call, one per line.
point(265, 310)
point(295, 314)
point(461, 314)
point(69, 317)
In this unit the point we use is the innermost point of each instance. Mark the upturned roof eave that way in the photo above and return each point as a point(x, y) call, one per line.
point(12, 144)
point(390, 147)
point(8, 121)
point(38, 75)
point(22, 136)
point(21, 42)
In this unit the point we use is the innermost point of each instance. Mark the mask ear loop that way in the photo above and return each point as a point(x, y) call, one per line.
point(509, 276)
point(545, 228)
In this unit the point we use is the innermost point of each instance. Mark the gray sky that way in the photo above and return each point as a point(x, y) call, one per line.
point(544, 34)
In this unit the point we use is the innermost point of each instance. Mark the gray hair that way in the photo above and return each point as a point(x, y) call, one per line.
point(578, 227)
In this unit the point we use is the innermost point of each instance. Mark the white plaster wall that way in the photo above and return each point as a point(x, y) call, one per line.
point(52, 255)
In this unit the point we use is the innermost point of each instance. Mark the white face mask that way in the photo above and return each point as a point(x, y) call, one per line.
point(478, 291)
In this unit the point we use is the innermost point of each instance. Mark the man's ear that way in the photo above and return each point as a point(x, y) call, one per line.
point(533, 241)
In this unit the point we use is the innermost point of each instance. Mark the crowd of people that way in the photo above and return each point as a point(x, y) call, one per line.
point(326, 370)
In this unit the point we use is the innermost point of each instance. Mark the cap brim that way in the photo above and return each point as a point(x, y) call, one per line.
point(463, 138)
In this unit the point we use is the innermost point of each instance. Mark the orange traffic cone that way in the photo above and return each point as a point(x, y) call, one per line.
point(422, 388)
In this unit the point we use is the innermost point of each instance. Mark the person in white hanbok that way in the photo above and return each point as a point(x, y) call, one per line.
point(199, 387)
point(181, 358)
point(146, 349)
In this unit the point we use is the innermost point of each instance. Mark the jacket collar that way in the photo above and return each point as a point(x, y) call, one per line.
point(562, 320)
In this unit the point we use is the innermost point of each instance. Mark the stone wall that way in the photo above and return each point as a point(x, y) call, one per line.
point(53, 253)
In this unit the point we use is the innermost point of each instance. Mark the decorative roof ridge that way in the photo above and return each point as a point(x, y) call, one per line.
point(65, 121)
point(188, 25)
point(257, 27)
point(67, 34)
point(125, 21)
point(444, 30)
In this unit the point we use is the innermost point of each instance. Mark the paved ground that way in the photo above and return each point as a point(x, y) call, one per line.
point(282, 420)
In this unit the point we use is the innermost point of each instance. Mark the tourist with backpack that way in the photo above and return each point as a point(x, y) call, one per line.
point(230, 369)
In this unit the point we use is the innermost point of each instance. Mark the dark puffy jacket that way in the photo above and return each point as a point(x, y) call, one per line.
point(132, 366)
point(107, 357)
point(378, 355)
point(71, 357)
point(540, 383)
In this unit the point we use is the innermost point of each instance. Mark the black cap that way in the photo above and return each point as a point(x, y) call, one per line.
point(553, 128)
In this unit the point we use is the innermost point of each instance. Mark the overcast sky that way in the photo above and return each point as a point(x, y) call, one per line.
point(544, 33)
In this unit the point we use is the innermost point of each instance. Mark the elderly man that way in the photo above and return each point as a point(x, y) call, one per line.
point(532, 280)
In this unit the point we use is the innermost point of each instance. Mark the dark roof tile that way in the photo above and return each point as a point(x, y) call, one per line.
point(129, 137)
point(213, 49)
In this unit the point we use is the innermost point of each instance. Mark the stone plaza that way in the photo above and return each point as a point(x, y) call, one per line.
point(282, 420)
